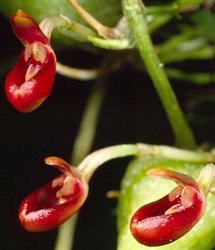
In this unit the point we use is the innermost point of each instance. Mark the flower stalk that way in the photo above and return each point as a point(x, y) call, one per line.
point(90, 163)
point(102, 30)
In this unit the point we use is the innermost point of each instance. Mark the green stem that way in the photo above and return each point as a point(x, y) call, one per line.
point(87, 130)
point(65, 234)
point(176, 153)
point(49, 23)
point(81, 148)
point(94, 160)
point(135, 12)
point(67, 26)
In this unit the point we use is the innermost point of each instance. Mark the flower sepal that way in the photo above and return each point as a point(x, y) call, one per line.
point(27, 29)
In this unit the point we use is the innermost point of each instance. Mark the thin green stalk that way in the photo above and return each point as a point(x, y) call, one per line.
point(82, 146)
point(94, 160)
point(87, 130)
point(66, 232)
point(135, 12)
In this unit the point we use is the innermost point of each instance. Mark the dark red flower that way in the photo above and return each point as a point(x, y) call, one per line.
point(51, 205)
point(169, 218)
point(30, 82)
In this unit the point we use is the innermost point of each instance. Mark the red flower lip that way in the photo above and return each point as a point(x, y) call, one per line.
point(51, 205)
point(169, 218)
point(165, 220)
point(30, 82)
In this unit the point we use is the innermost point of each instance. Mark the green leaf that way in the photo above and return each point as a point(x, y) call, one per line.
point(138, 189)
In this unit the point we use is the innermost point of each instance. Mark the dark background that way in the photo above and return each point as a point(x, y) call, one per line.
point(131, 113)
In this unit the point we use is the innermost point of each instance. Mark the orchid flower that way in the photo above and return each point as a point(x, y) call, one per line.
point(51, 205)
point(30, 82)
point(169, 218)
